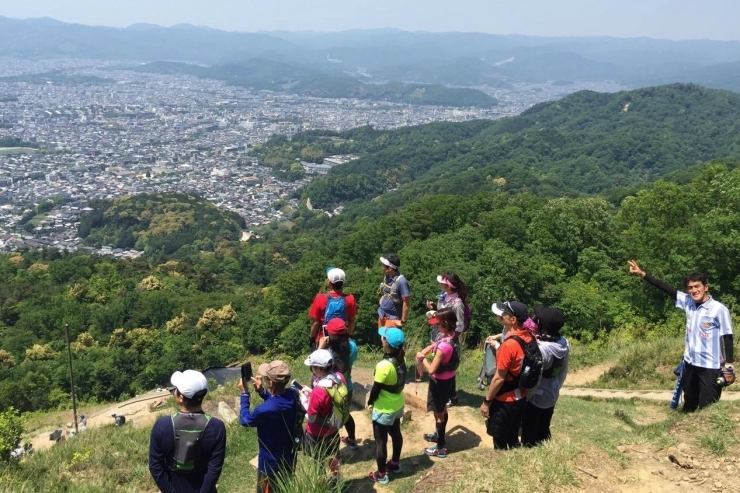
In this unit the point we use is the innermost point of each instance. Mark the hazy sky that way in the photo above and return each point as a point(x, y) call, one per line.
point(675, 19)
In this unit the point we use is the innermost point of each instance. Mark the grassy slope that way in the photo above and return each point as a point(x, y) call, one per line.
point(587, 433)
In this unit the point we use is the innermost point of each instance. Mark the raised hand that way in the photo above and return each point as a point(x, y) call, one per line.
point(635, 269)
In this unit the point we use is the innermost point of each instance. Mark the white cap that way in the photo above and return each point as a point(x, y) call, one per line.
point(335, 275)
point(321, 358)
point(189, 382)
point(497, 309)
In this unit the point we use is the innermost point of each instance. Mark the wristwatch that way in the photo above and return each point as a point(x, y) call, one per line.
point(486, 401)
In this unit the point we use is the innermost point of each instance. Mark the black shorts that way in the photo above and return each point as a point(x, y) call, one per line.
point(440, 391)
point(321, 447)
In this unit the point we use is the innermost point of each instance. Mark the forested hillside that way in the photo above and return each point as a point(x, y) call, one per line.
point(162, 225)
point(585, 143)
point(521, 234)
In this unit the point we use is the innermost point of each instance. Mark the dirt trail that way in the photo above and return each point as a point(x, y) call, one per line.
point(649, 471)
point(136, 411)
point(583, 376)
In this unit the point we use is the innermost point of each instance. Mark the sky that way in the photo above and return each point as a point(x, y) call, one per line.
point(672, 19)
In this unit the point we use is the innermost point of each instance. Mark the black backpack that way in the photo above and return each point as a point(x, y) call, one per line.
point(300, 414)
point(401, 371)
point(531, 372)
point(188, 429)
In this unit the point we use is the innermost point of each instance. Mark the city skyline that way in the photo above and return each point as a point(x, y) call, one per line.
point(668, 19)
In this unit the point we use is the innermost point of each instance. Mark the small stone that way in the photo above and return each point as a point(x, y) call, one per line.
point(718, 485)
point(621, 449)
point(692, 476)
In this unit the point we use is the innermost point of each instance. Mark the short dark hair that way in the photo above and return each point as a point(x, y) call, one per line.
point(695, 276)
point(394, 259)
point(337, 285)
point(194, 401)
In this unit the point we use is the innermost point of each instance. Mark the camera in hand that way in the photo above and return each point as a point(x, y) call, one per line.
point(247, 372)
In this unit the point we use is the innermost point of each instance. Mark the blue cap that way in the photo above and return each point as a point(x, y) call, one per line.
point(395, 337)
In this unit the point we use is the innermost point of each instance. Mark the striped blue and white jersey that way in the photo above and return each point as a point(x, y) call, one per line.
point(705, 324)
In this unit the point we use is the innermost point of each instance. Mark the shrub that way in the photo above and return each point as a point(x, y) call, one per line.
point(11, 428)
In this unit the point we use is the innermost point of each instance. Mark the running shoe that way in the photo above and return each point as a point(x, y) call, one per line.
point(352, 444)
point(394, 467)
point(376, 477)
point(439, 453)
point(431, 437)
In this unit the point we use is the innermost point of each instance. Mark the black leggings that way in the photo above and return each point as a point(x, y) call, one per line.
point(381, 433)
point(350, 427)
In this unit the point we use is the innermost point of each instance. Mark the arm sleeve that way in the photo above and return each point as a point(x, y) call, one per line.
point(374, 394)
point(460, 314)
point(316, 311)
point(351, 306)
point(265, 394)
point(317, 403)
point(246, 417)
point(157, 461)
point(403, 288)
point(216, 462)
point(669, 290)
point(729, 350)
point(564, 370)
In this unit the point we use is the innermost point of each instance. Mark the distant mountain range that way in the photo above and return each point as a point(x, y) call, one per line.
point(263, 74)
point(382, 55)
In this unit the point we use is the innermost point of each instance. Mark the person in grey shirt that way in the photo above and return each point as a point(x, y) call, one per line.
point(555, 351)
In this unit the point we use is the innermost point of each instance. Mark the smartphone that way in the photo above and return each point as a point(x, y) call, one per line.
point(247, 372)
point(296, 385)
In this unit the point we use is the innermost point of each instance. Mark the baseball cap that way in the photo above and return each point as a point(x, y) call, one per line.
point(277, 371)
point(321, 358)
point(336, 326)
point(189, 382)
point(395, 336)
point(335, 275)
point(515, 308)
point(550, 319)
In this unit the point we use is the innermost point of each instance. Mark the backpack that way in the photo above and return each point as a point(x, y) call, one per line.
point(455, 359)
point(336, 307)
point(531, 371)
point(300, 414)
point(401, 371)
point(392, 291)
point(467, 311)
point(339, 394)
point(188, 429)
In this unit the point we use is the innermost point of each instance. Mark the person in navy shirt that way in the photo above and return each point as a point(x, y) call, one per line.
point(275, 420)
point(190, 387)
point(708, 338)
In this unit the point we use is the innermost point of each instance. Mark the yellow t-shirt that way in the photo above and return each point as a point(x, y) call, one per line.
point(387, 402)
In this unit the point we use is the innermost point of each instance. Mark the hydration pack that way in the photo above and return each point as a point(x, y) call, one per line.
point(467, 311)
point(188, 429)
point(336, 307)
point(391, 291)
point(455, 359)
point(531, 370)
point(339, 394)
point(401, 371)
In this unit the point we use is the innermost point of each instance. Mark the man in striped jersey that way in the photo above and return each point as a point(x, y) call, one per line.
point(708, 337)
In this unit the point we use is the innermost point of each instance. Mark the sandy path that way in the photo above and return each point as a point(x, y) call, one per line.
point(136, 411)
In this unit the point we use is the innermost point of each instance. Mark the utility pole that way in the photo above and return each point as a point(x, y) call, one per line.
point(71, 378)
